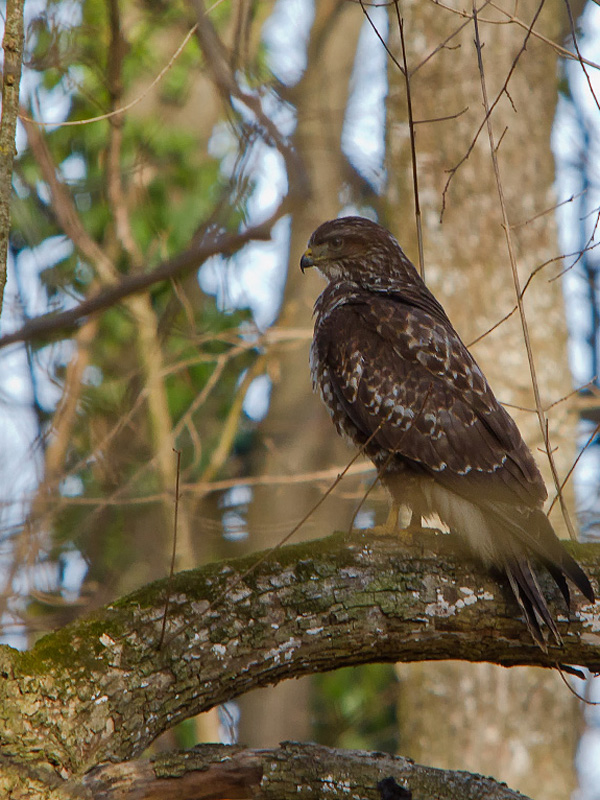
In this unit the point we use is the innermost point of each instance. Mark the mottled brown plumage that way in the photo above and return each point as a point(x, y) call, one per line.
point(398, 382)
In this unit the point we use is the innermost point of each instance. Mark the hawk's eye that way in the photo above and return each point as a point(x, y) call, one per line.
point(336, 243)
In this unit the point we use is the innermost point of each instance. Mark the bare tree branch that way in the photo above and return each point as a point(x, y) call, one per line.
point(64, 208)
point(489, 108)
point(218, 65)
point(290, 771)
point(60, 323)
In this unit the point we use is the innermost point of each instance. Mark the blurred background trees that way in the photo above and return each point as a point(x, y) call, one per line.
point(151, 128)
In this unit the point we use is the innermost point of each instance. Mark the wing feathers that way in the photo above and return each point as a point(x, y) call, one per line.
point(436, 410)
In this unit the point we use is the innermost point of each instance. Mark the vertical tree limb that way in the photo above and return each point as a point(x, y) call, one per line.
point(11, 81)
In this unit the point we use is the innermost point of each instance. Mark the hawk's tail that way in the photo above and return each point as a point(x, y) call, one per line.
point(518, 536)
point(529, 596)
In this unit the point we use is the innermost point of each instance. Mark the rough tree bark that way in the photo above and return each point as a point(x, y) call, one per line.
point(293, 770)
point(102, 690)
point(11, 81)
point(468, 268)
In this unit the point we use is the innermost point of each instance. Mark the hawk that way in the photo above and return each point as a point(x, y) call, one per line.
point(400, 384)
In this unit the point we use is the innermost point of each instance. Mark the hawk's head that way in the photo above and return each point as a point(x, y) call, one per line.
point(358, 250)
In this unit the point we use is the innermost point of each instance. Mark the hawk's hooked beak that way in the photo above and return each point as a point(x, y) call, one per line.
point(307, 260)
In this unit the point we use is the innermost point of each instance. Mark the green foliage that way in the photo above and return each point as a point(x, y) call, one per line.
point(356, 708)
point(169, 186)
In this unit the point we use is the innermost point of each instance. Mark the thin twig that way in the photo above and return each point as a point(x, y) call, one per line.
point(66, 213)
point(403, 67)
point(365, 496)
point(580, 254)
point(413, 147)
point(579, 56)
point(119, 496)
point(530, 278)
point(572, 392)
point(122, 109)
point(441, 119)
point(226, 82)
point(489, 108)
point(581, 676)
point(551, 210)
point(174, 551)
point(574, 465)
point(443, 44)
point(200, 489)
point(563, 52)
point(231, 424)
point(380, 37)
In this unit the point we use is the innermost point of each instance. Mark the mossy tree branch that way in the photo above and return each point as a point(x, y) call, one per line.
point(100, 689)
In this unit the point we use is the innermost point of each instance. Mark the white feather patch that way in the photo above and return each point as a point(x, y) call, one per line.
point(462, 517)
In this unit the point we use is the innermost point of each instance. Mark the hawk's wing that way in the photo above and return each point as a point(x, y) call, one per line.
point(402, 375)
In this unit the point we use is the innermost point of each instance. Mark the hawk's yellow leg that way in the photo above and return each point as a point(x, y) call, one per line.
point(390, 526)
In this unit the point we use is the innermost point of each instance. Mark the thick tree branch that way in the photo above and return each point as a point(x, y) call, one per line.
point(290, 771)
point(100, 690)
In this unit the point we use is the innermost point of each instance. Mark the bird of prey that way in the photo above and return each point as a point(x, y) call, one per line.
point(399, 383)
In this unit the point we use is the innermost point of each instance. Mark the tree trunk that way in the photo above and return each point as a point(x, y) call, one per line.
point(297, 433)
point(520, 726)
